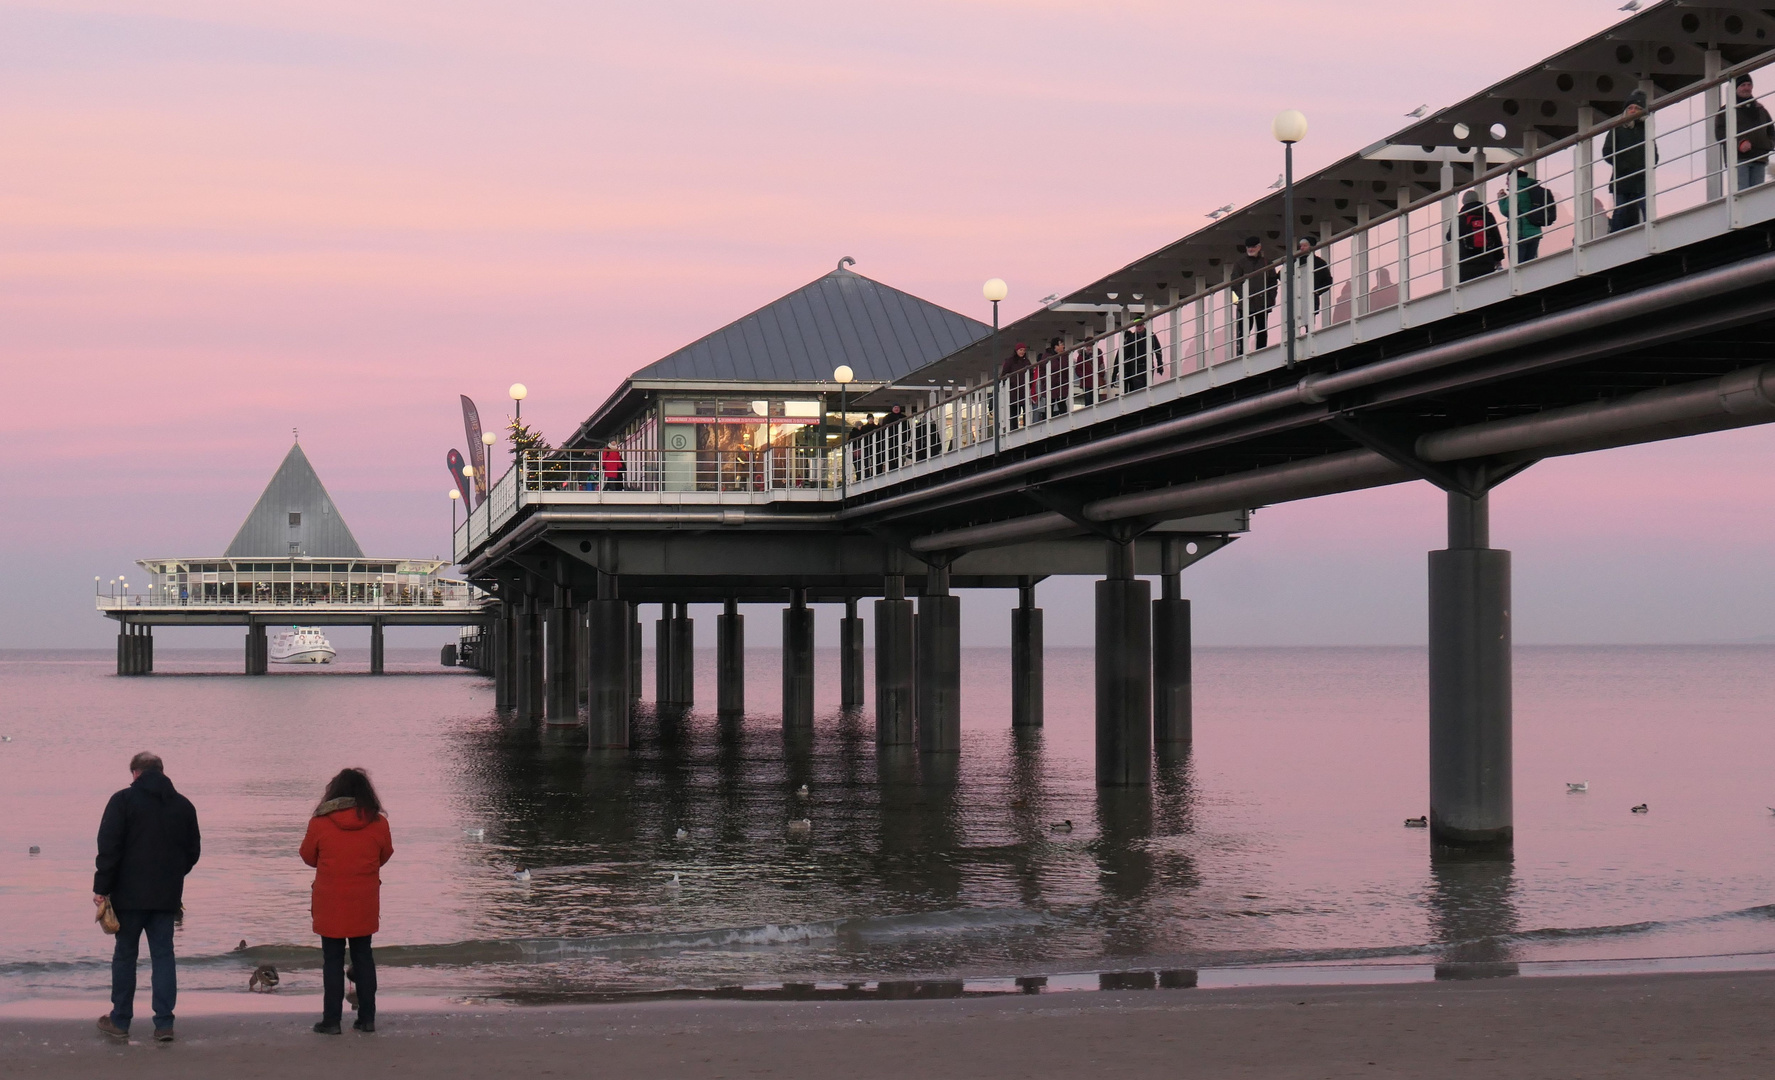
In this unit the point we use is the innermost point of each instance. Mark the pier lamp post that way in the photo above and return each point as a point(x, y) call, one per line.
point(995, 290)
point(1289, 127)
point(518, 393)
point(455, 497)
point(488, 438)
point(843, 374)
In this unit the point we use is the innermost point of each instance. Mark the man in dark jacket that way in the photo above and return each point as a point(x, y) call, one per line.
point(1255, 296)
point(1305, 256)
point(1478, 245)
point(1756, 136)
point(1624, 148)
point(148, 842)
point(1141, 355)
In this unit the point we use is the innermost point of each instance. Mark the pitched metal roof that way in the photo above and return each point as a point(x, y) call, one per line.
point(295, 516)
point(841, 318)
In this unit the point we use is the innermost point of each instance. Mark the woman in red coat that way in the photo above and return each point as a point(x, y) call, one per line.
point(347, 843)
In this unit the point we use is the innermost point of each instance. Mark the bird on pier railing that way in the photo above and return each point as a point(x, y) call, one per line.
point(1217, 214)
point(1277, 186)
point(1419, 112)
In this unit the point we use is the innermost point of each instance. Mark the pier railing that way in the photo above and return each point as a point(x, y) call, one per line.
point(1618, 190)
point(395, 598)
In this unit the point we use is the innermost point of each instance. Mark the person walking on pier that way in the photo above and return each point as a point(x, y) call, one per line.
point(1756, 135)
point(612, 464)
point(347, 844)
point(1140, 355)
point(1320, 276)
point(1055, 378)
point(1015, 373)
point(1479, 247)
point(1624, 148)
point(1535, 210)
point(148, 842)
point(1255, 296)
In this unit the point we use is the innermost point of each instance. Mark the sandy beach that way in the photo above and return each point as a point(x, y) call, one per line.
point(1664, 1026)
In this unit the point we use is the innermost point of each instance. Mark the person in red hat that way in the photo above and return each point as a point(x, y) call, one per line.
point(347, 844)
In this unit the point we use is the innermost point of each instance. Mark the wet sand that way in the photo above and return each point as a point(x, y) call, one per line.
point(1664, 1026)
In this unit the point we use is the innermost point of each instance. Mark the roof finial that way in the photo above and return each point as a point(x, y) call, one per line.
point(846, 261)
point(296, 434)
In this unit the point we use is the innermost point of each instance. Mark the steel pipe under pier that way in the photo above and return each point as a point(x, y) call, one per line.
point(896, 707)
point(527, 651)
point(674, 639)
point(850, 657)
point(1471, 800)
point(938, 671)
point(1124, 674)
point(730, 661)
point(798, 663)
point(505, 684)
point(561, 662)
point(135, 649)
point(1172, 708)
point(609, 625)
point(258, 650)
point(634, 651)
point(378, 652)
point(1026, 658)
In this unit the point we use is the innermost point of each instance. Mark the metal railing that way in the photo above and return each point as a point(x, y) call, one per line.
point(720, 471)
point(390, 597)
point(1454, 247)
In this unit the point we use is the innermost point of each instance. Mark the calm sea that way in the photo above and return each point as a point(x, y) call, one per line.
point(1279, 840)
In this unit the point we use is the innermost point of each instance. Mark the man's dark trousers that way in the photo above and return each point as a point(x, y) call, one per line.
point(158, 925)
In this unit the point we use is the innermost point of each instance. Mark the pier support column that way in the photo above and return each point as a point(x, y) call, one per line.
point(895, 704)
point(147, 667)
point(560, 662)
point(376, 652)
point(850, 657)
point(1124, 674)
point(527, 653)
point(730, 661)
point(505, 693)
point(798, 663)
point(663, 687)
point(258, 649)
point(610, 631)
point(634, 651)
point(683, 657)
point(1172, 689)
point(1026, 658)
point(938, 672)
point(1471, 801)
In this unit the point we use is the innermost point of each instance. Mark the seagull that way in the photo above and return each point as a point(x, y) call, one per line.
point(1049, 299)
point(1062, 826)
point(1216, 215)
point(1417, 822)
point(681, 834)
point(5, 738)
point(801, 792)
point(1577, 789)
point(802, 826)
point(1630, 5)
point(1277, 186)
point(522, 876)
point(1641, 809)
point(475, 834)
point(1419, 112)
point(35, 850)
point(674, 883)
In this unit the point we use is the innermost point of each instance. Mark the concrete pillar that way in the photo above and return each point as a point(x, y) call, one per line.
point(582, 658)
point(730, 661)
point(376, 652)
point(258, 649)
point(798, 662)
point(560, 662)
point(609, 634)
point(505, 691)
point(634, 652)
point(683, 657)
point(850, 657)
point(1026, 658)
point(123, 648)
point(663, 686)
point(896, 707)
point(526, 652)
point(147, 650)
point(1124, 674)
point(1471, 801)
point(938, 672)
point(1172, 706)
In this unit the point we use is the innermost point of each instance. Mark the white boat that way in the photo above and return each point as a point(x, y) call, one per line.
point(300, 645)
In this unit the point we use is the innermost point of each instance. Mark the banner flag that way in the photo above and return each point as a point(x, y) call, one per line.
point(477, 451)
point(455, 462)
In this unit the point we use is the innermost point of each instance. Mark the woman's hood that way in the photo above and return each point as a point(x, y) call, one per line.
point(343, 813)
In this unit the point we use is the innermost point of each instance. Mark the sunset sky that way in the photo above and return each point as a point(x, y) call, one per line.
point(223, 220)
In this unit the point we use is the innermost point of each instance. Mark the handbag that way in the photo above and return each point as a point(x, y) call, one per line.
point(106, 918)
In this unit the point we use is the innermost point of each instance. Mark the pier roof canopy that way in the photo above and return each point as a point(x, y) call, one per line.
point(295, 516)
point(798, 340)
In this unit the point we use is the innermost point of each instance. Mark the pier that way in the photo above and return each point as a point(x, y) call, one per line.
point(850, 442)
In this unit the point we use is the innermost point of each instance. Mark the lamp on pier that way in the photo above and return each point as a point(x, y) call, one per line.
point(995, 290)
point(455, 497)
point(843, 375)
point(519, 392)
point(1289, 127)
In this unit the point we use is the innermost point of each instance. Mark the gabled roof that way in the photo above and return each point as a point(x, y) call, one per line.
point(272, 527)
point(841, 318)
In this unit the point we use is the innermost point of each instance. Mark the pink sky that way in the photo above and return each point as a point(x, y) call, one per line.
point(219, 221)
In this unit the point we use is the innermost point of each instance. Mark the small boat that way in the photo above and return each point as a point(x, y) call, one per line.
point(300, 645)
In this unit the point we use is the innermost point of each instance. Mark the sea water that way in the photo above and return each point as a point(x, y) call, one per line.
point(1278, 838)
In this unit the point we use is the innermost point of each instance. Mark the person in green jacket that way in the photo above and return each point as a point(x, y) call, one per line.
point(1534, 212)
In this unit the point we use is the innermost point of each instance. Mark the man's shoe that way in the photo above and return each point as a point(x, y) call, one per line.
point(107, 1026)
point(327, 1027)
point(164, 1034)
point(368, 1027)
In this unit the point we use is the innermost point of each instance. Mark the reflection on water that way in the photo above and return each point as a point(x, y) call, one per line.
point(1277, 837)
